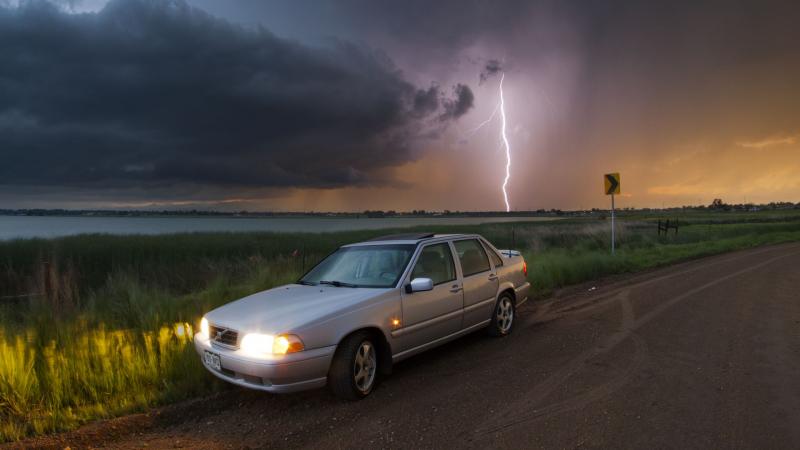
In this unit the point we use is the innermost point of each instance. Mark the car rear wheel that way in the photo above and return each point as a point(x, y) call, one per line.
point(354, 370)
point(503, 317)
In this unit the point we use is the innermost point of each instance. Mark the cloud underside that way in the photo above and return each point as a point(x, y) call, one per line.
point(156, 94)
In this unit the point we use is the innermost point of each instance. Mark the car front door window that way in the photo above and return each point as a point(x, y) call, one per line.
point(435, 262)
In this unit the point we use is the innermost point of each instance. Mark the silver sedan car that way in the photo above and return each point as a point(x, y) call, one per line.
point(362, 308)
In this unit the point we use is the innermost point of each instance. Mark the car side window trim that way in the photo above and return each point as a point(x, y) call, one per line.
point(456, 261)
point(493, 256)
point(406, 278)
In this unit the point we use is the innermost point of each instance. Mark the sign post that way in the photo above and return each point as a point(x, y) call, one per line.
point(611, 181)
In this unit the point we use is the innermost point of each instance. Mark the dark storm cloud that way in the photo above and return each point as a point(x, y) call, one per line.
point(154, 93)
point(491, 68)
point(676, 72)
point(458, 106)
point(426, 101)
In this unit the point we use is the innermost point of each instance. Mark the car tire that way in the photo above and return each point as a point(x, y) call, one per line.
point(354, 370)
point(503, 316)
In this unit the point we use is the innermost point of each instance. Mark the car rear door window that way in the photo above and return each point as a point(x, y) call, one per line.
point(435, 262)
point(472, 256)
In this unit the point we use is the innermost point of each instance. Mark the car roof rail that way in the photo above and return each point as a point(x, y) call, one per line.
point(404, 237)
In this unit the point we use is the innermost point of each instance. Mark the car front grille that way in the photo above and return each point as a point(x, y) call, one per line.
point(224, 336)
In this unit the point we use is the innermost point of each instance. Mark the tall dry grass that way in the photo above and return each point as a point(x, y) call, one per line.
point(54, 383)
point(68, 357)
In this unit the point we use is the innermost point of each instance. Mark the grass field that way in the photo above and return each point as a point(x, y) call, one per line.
point(95, 326)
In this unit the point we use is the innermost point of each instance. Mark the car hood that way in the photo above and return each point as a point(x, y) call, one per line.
point(285, 308)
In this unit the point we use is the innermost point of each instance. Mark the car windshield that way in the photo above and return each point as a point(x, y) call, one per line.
point(373, 266)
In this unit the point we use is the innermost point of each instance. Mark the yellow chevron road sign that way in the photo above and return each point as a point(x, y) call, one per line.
point(612, 183)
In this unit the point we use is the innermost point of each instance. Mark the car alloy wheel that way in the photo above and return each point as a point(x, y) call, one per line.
point(364, 365)
point(354, 369)
point(505, 315)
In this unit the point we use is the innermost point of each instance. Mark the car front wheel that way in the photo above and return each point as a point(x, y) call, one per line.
point(354, 370)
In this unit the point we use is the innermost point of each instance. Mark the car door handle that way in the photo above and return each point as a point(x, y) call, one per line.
point(455, 288)
point(492, 277)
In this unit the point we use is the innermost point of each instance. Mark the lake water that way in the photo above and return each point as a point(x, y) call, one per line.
point(53, 226)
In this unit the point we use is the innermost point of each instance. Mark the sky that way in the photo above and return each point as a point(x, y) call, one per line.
point(351, 105)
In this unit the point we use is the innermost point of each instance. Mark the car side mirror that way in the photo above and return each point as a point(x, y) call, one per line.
point(419, 285)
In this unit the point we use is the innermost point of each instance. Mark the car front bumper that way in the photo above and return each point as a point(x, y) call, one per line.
point(289, 373)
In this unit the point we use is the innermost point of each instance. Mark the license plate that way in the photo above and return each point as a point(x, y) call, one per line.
point(212, 360)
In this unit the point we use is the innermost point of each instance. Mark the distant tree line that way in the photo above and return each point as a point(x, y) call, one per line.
point(716, 205)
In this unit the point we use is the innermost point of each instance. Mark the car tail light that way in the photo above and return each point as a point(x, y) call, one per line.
point(525, 268)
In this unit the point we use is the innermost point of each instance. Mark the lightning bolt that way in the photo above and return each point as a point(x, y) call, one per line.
point(502, 108)
point(482, 124)
point(505, 143)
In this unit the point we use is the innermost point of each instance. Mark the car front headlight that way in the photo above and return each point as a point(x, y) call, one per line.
point(204, 327)
point(265, 344)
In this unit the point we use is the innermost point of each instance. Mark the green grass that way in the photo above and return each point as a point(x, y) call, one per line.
point(558, 268)
point(109, 330)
